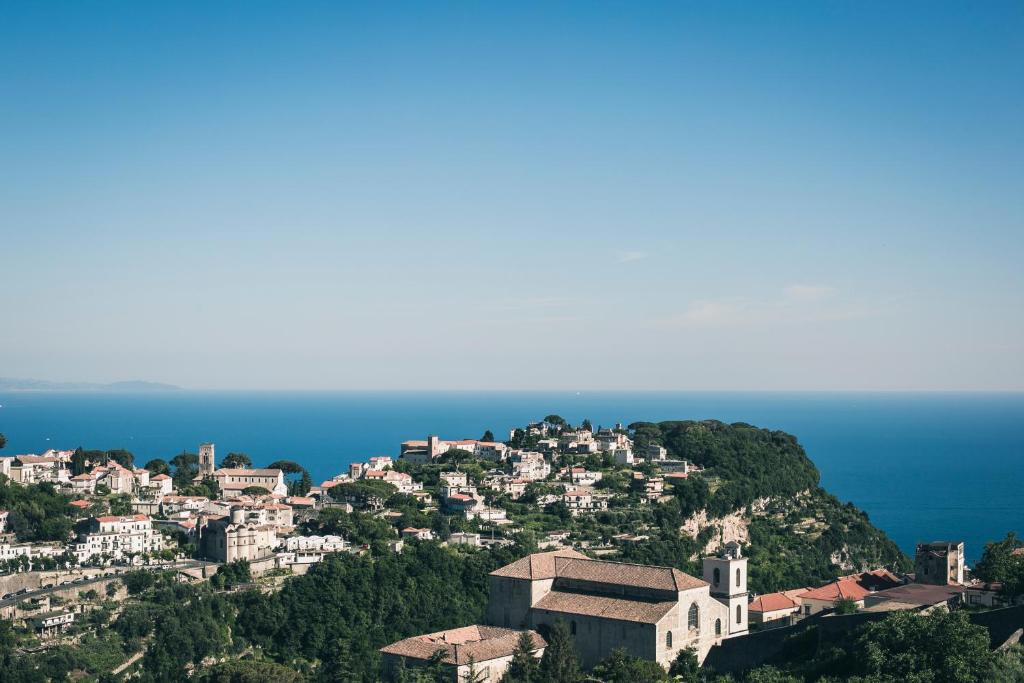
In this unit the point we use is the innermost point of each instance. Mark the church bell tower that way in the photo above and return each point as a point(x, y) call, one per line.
point(727, 574)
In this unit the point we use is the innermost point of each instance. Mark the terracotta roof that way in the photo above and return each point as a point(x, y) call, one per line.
point(773, 602)
point(535, 566)
point(159, 477)
point(35, 459)
point(479, 643)
point(238, 472)
point(623, 574)
point(843, 588)
point(606, 607)
point(878, 579)
point(79, 503)
point(125, 518)
point(82, 477)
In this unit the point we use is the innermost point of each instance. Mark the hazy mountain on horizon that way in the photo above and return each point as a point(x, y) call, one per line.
point(20, 384)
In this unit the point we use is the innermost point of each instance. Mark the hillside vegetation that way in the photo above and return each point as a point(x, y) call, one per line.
point(798, 534)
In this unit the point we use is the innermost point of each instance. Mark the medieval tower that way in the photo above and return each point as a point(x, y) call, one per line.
point(206, 460)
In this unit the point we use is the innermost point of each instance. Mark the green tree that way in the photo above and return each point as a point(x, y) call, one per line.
point(560, 663)
point(232, 574)
point(488, 436)
point(845, 606)
point(298, 479)
point(249, 671)
point(769, 674)
point(524, 667)
point(120, 505)
point(943, 646)
point(157, 466)
point(3, 440)
point(1003, 561)
point(236, 461)
point(186, 467)
point(138, 581)
point(685, 665)
point(36, 512)
point(619, 667)
point(556, 420)
point(122, 457)
point(78, 461)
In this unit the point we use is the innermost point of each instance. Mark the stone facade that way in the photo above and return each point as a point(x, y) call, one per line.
point(939, 563)
point(651, 612)
point(206, 460)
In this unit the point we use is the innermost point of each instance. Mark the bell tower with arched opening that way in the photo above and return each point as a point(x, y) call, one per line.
point(727, 574)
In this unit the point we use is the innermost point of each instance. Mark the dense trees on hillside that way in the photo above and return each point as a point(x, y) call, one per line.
point(752, 463)
point(37, 511)
point(347, 607)
point(904, 646)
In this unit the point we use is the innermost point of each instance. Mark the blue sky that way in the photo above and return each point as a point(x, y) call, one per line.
point(821, 195)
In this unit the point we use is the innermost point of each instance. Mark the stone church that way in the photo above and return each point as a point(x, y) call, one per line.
point(651, 612)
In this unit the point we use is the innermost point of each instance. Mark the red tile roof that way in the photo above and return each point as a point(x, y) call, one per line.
point(843, 588)
point(773, 602)
point(460, 645)
point(535, 566)
point(606, 607)
point(125, 518)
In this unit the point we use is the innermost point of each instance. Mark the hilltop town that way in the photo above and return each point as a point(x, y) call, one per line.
point(679, 544)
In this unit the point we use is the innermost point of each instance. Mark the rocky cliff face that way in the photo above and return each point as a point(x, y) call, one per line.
point(793, 541)
point(734, 527)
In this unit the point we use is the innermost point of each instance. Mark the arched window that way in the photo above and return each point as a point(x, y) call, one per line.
point(668, 639)
point(718, 627)
point(717, 576)
point(737, 577)
point(572, 626)
point(739, 614)
point(693, 618)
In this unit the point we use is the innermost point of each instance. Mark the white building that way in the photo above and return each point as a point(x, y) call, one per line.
point(117, 538)
point(327, 544)
point(233, 481)
point(580, 500)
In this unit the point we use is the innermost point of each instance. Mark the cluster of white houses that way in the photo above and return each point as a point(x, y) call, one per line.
point(250, 519)
point(650, 612)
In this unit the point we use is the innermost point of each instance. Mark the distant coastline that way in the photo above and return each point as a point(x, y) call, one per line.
point(39, 385)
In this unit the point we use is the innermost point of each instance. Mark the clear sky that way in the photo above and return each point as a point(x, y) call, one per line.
point(820, 195)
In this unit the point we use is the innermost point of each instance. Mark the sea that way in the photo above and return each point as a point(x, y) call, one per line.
point(924, 466)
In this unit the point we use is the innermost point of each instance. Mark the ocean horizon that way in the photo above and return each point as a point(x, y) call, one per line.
point(923, 465)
